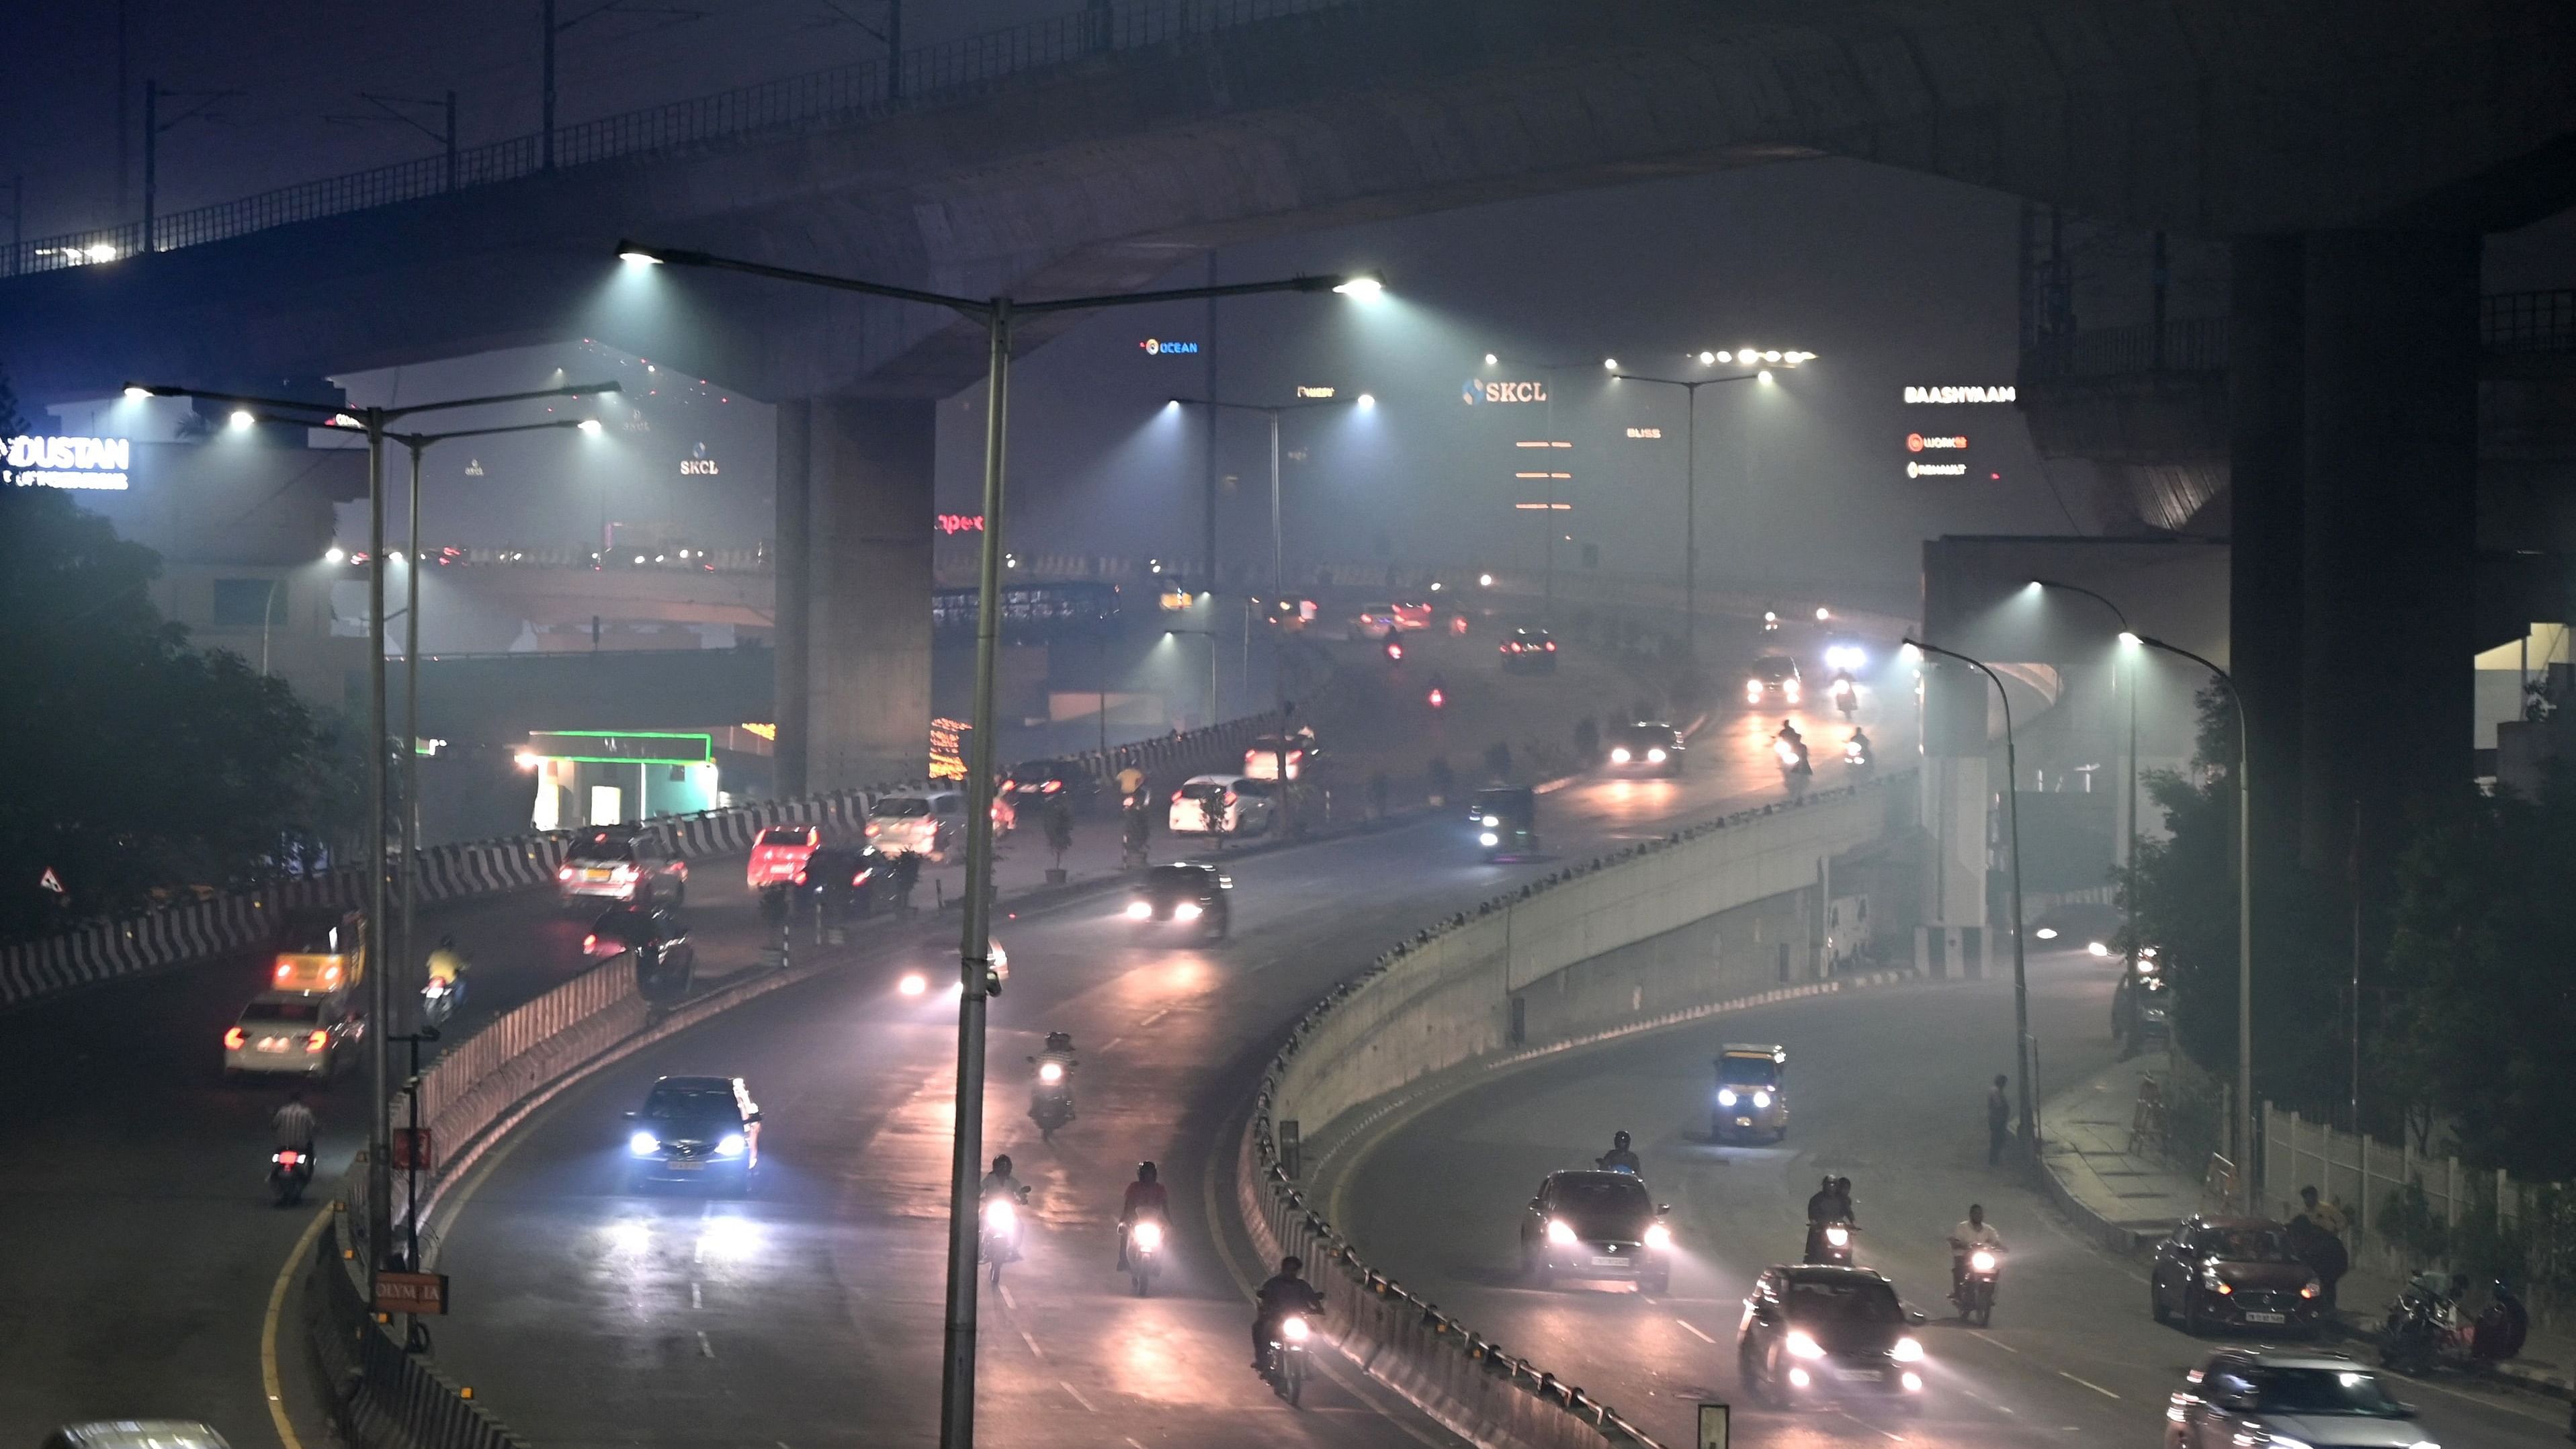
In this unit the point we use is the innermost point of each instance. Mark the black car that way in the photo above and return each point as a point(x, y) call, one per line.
point(1592, 1224)
point(2232, 1272)
point(1038, 783)
point(1817, 1332)
point(1504, 821)
point(1529, 651)
point(851, 882)
point(1774, 676)
point(695, 1129)
point(1645, 748)
point(1185, 894)
point(655, 935)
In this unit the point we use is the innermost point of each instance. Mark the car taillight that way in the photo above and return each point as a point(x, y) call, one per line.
point(861, 878)
point(590, 942)
point(564, 874)
point(233, 1039)
point(288, 1157)
point(1176, 797)
point(1549, 646)
point(875, 829)
point(285, 968)
point(315, 1041)
point(1050, 787)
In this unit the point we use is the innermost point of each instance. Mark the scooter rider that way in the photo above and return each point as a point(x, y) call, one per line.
point(1824, 1206)
point(1619, 1158)
point(1284, 1294)
point(1146, 1198)
point(1000, 1184)
point(447, 966)
point(1970, 1234)
point(1860, 743)
point(293, 1125)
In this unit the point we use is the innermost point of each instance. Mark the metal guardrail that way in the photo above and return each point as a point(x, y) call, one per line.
point(2509, 323)
point(932, 75)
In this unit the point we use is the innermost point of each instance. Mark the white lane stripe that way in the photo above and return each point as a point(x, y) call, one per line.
point(1034, 1351)
point(1873, 1428)
point(1077, 1396)
point(704, 1347)
point(1157, 1016)
point(1694, 1331)
point(2088, 1383)
point(695, 1301)
point(1997, 1342)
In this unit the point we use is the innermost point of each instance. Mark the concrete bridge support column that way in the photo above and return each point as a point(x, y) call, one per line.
point(854, 512)
point(2267, 471)
point(1958, 790)
point(2389, 417)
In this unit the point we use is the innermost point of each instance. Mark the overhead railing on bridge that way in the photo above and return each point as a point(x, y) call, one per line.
point(931, 75)
point(2509, 323)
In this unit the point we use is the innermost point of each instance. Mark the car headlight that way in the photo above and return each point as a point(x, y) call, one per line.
point(643, 1144)
point(1908, 1350)
point(1490, 821)
point(1753, 691)
point(1659, 1237)
point(1293, 1328)
point(1489, 838)
point(2046, 933)
point(1140, 910)
point(1147, 1235)
point(1981, 1261)
point(1838, 1236)
point(1654, 757)
point(1801, 1345)
point(1789, 691)
point(2096, 948)
point(2311, 1288)
point(1050, 1072)
point(1560, 1232)
point(1762, 1099)
point(731, 1145)
point(1619, 756)
point(1726, 1096)
point(1188, 911)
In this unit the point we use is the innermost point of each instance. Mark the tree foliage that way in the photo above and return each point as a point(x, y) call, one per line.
point(140, 765)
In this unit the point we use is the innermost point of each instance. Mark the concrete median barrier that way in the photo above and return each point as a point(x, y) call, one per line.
point(1624, 943)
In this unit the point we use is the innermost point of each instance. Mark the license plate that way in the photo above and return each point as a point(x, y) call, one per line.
point(1743, 1121)
point(1866, 1375)
point(2267, 1318)
point(684, 1165)
point(1599, 1262)
point(272, 1043)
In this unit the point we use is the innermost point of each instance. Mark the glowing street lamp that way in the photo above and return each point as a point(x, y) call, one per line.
point(1690, 485)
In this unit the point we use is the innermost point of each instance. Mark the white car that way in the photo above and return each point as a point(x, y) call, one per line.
point(924, 822)
point(309, 1034)
point(2259, 1395)
point(1236, 804)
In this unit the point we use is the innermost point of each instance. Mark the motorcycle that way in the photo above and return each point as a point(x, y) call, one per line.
point(1794, 765)
point(1856, 753)
point(1286, 1369)
point(1144, 1253)
point(1394, 650)
point(2422, 1332)
point(289, 1169)
point(439, 1000)
point(1831, 1244)
point(1846, 696)
point(1135, 852)
point(1975, 1294)
point(1051, 1097)
point(1000, 1242)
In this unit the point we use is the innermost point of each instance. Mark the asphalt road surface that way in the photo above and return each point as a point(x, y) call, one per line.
point(142, 1247)
point(1886, 1087)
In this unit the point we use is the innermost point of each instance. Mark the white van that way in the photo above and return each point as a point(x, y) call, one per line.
point(924, 822)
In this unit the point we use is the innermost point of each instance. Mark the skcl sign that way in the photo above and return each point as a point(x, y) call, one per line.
point(1917, 442)
point(1477, 391)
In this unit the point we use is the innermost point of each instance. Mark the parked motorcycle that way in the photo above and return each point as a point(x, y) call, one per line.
point(1975, 1294)
point(2422, 1331)
point(289, 1169)
point(1286, 1369)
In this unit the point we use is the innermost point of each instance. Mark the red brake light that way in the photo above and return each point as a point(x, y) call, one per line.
point(874, 828)
point(285, 968)
point(564, 874)
point(1176, 797)
point(590, 941)
point(288, 1157)
point(1050, 787)
point(1549, 646)
point(233, 1039)
point(316, 1040)
point(862, 877)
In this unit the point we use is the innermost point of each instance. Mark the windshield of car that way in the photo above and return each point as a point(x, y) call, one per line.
point(901, 809)
point(1176, 880)
point(1263, 788)
point(2321, 1391)
point(1505, 803)
point(1602, 1196)
point(282, 1011)
point(1844, 1300)
point(1775, 667)
point(786, 835)
point(1748, 1071)
point(316, 937)
point(2244, 1245)
point(670, 1103)
point(1648, 736)
point(603, 847)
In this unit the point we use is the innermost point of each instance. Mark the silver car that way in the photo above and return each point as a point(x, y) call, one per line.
point(2256, 1396)
point(136, 1434)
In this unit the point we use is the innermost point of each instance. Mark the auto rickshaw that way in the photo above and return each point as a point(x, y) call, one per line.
point(1504, 821)
point(320, 952)
point(1751, 1100)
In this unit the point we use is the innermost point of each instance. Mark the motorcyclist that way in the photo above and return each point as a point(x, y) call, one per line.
point(1860, 743)
point(1146, 1198)
point(1000, 1185)
point(1972, 1233)
point(1619, 1158)
point(1824, 1206)
point(1059, 1050)
point(1285, 1293)
point(1789, 736)
point(447, 963)
point(293, 1125)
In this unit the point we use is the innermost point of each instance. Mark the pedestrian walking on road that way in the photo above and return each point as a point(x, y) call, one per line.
point(1998, 1120)
point(2324, 1249)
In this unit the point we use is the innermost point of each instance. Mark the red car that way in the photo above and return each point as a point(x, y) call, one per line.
point(779, 854)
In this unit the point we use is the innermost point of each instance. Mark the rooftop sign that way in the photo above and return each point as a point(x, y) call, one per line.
point(1959, 394)
point(100, 463)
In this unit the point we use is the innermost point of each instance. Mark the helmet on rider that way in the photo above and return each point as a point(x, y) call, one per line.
point(1292, 1265)
point(1059, 1041)
point(1002, 1165)
point(1146, 1172)
point(1619, 1141)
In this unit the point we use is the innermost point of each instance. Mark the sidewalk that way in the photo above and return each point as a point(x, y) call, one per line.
point(2127, 1202)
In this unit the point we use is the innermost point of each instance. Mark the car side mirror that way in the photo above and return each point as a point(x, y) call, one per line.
point(1534, 1205)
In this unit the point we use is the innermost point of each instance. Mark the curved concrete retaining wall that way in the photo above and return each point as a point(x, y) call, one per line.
point(1621, 945)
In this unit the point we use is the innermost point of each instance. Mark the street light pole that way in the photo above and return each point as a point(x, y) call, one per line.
point(373, 421)
point(2021, 977)
point(1690, 490)
point(2132, 871)
point(997, 314)
point(2244, 917)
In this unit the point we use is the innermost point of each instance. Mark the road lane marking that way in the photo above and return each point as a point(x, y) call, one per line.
point(2088, 1383)
point(694, 1300)
point(1982, 1399)
point(704, 1347)
point(1157, 1016)
point(1997, 1342)
point(1077, 1396)
point(1008, 1301)
point(1873, 1428)
point(268, 1380)
point(1695, 1333)
point(1035, 1352)
point(2501, 1402)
